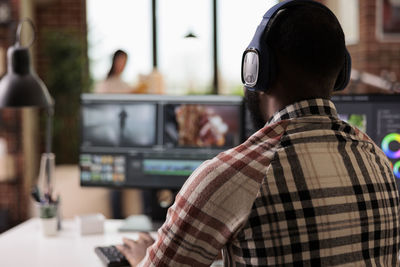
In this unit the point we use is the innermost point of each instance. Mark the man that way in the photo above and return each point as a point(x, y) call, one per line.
point(307, 189)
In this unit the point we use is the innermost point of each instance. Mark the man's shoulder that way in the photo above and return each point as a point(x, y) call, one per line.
point(222, 190)
point(245, 163)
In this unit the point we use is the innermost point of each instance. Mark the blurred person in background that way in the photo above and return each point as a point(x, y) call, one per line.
point(114, 83)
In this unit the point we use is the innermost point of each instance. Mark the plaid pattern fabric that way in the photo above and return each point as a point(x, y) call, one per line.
point(306, 190)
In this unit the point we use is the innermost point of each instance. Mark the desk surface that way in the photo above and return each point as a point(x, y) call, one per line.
point(25, 245)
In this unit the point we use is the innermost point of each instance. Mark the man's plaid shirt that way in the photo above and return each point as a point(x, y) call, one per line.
point(306, 190)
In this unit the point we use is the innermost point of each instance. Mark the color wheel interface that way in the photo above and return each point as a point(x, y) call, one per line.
point(379, 117)
point(388, 133)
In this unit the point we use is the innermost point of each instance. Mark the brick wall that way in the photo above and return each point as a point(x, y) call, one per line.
point(49, 15)
point(62, 25)
point(12, 208)
point(58, 15)
point(13, 204)
point(371, 54)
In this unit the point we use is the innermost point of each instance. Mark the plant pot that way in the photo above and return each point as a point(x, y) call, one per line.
point(49, 226)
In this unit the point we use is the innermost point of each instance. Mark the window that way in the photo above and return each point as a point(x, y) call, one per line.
point(185, 62)
point(237, 23)
point(184, 40)
point(347, 12)
point(122, 24)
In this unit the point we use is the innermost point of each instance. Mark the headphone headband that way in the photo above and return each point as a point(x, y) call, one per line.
point(258, 68)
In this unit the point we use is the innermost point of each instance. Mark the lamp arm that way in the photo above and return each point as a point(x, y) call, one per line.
point(49, 131)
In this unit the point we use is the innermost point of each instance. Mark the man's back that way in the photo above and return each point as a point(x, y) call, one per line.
point(307, 189)
point(328, 198)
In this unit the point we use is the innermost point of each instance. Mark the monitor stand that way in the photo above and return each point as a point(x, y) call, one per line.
point(154, 213)
point(138, 223)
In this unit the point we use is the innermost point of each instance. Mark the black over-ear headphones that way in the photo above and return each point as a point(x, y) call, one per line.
point(258, 68)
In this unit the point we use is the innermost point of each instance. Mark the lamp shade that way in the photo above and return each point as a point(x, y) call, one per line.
point(190, 34)
point(21, 87)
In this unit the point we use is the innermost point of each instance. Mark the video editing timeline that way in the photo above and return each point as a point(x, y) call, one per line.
point(379, 117)
point(153, 141)
point(170, 167)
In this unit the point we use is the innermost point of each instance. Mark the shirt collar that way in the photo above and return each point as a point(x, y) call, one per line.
point(317, 106)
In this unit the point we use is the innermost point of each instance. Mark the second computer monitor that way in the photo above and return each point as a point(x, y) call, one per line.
point(379, 117)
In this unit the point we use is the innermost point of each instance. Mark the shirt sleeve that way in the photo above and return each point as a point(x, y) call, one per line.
point(212, 205)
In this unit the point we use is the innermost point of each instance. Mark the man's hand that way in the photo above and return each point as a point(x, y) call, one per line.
point(135, 250)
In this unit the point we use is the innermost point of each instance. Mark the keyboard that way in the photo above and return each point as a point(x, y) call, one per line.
point(111, 257)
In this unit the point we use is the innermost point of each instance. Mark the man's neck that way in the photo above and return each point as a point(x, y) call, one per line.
point(272, 103)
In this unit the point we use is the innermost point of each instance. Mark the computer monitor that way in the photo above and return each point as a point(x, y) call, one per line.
point(379, 117)
point(154, 141)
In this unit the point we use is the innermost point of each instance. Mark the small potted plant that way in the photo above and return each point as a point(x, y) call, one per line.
point(48, 218)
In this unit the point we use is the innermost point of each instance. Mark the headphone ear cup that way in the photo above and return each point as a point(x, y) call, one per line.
point(267, 69)
point(343, 78)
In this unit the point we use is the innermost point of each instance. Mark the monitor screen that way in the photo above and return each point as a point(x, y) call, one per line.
point(168, 167)
point(202, 125)
point(114, 124)
point(379, 117)
point(154, 141)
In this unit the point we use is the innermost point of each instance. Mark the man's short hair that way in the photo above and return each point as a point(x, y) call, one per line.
point(310, 40)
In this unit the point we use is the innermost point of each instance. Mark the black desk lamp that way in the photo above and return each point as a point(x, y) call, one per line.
point(21, 87)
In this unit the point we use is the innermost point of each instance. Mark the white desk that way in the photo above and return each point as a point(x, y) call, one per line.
point(25, 245)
